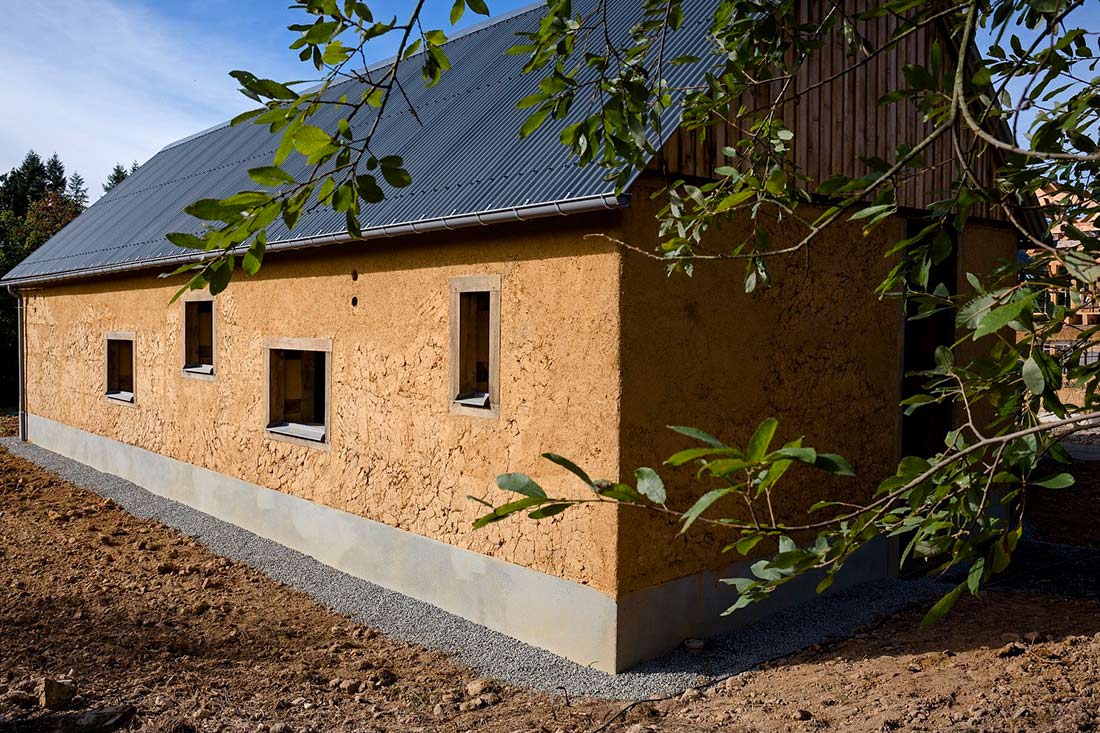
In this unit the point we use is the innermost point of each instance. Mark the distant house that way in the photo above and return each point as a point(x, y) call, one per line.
point(1089, 313)
point(348, 399)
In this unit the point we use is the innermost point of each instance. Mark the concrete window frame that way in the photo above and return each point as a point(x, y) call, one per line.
point(467, 407)
point(119, 397)
point(304, 435)
point(203, 372)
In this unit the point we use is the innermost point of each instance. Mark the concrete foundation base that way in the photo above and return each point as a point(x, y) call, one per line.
point(567, 618)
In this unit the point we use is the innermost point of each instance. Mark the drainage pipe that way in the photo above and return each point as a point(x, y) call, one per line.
point(21, 370)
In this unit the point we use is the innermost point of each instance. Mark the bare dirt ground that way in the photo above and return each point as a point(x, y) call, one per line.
point(136, 614)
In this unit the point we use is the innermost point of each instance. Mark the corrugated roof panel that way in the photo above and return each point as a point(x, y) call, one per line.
point(462, 149)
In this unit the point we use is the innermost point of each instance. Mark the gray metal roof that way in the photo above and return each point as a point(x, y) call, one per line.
point(468, 164)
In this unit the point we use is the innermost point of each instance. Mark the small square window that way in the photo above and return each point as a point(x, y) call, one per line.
point(298, 393)
point(120, 368)
point(198, 337)
point(475, 339)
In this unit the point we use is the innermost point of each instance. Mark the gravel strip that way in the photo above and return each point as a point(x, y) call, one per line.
point(488, 652)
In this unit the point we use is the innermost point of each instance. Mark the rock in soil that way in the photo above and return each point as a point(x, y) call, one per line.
point(55, 694)
point(351, 686)
point(103, 720)
point(478, 687)
point(21, 699)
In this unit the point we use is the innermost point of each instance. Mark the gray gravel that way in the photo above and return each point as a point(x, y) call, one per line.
point(488, 652)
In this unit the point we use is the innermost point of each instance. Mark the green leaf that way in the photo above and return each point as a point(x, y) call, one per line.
point(286, 147)
point(733, 199)
point(369, 190)
point(246, 116)
point(435, 37)
point(270, 175)
point(870, 211)
point(1058, 481)
point(619, 492)
point(773, 473)
point(336, 52)
point(548, 511)
point(220, 275)
point(322, 31)
point(245, 200)
point(698, 435)
point(375, 97)
point(691, 454)
point(912, 466)
point(479, 7)
point(211, 210)
point(253, 258)
point(457, 10)
point(761, 439)
point(505, 510)
point(650, 485)
point(794, 453)
point(833, 463)
point(745, 544)
point(725, 466)
point(310, 139)
point(521, 484)
point(396, 176)
point(188, 241)
point(918, 77)
point(997, 318)
point(701, 506)
point(776, 182)
point(1033, 376)
point(568, 465)
point(976, 575)
point(251, 262)
point(533, 122)
point(943, 606)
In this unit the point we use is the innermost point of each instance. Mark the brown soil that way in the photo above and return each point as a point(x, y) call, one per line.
point(9, 425)
point(136, 613)
point(1010, 663)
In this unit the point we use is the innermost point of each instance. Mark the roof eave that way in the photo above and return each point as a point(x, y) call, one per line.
point(564, 207)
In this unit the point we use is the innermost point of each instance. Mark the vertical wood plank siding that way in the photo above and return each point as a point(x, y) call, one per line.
point(838, 124)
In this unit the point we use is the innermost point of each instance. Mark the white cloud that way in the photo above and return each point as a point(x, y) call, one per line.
point(106, 81)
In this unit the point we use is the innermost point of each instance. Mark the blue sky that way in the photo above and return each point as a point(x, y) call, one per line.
point(106, 81)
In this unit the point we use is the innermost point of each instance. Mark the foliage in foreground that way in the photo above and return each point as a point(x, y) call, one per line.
point(997, 62)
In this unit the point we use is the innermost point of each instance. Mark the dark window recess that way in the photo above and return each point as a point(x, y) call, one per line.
point(120, 369)
point(198, 328)
point(473, 349)
point(923, 431)
point(298, 393)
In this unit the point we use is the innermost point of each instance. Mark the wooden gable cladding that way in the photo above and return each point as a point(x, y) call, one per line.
point(837, 121)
